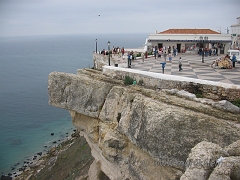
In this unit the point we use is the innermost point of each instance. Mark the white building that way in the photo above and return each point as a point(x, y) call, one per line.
point(235, 28)
point(188, 40)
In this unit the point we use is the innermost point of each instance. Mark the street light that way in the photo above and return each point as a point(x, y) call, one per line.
point(96, 45)
point(203, 39)
point(108, 52)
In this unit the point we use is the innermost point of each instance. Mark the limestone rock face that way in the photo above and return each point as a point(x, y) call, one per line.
point(163, 130)
point(139, 133)
point(77, 92)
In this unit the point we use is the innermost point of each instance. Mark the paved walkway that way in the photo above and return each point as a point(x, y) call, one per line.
point(192, 67)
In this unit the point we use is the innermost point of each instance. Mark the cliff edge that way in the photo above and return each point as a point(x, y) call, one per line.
point(140, 133)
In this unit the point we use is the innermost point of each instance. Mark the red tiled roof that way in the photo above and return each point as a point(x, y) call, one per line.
point(189, 31)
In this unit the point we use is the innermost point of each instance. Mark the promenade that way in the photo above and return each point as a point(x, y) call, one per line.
point(192, 67)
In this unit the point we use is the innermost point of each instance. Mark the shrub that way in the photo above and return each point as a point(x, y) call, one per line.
point(199, 95)
point(139, 54)
point(140, 82)
point(128, 80)
point(236, 102)
point(150, 53)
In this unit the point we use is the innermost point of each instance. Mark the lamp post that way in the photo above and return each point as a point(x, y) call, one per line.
point(108, 43)
point(203, 39)
point(96, 45)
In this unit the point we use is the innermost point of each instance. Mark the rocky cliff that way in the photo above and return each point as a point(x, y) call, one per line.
point(139, 133)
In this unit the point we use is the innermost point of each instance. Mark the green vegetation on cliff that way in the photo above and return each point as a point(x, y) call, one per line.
point(70, 164)
point(70, 160)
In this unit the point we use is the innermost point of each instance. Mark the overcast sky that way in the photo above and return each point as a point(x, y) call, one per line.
point(48, 17)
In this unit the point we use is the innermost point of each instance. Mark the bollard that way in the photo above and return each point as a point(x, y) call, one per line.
point(163, 66)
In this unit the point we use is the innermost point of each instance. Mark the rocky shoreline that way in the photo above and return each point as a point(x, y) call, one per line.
point(42, 160)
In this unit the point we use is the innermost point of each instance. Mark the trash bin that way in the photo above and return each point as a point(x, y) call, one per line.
point(116, 65)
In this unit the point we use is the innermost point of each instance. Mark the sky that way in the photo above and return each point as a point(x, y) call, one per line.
point(54, 17)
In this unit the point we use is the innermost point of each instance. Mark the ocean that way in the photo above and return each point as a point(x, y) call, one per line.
point(26, 118)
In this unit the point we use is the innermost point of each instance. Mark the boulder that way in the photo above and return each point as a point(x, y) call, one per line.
point(4, 177)
point(226, 105)
point(227, 169)
point(234, 149)
point(202, 160)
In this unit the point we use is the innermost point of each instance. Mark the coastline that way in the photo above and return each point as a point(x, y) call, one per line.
point(50, 157)
point(27, 119)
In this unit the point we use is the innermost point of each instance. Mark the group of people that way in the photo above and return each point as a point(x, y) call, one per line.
point(165, 51)
point(131, 56)
point(115, 51)
point(224, 62)
point(118, 51)
point(208, 52)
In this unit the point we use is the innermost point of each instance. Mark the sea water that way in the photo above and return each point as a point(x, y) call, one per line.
point(26, 118)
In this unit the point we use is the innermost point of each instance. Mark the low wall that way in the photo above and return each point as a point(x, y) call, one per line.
point(208, 89)
point(100, 60)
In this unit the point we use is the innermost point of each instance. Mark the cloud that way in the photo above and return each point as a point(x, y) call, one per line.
point(24, 17)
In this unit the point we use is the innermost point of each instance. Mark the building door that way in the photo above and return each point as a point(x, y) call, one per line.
point(160, 45)
point(179, 47)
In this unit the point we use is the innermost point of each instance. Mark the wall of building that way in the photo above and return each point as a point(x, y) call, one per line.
point(235, 28)
point(188, 40)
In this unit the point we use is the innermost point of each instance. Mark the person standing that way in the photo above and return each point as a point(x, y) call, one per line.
point(234, 59)
point(180, 64)
point(134, 55)
point(129, 59)
point(174, 52)
point(170, 57)
point(160, 53)
point(155, 54)
point(142, 55)
point(165, 56)
point(122, 51)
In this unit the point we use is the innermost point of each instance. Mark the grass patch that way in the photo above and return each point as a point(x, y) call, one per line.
point(236, 103)
point(199, 95)
point(198, 92)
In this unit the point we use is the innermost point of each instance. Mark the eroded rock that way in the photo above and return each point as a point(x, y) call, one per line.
point(140, 133)
point(202, 161)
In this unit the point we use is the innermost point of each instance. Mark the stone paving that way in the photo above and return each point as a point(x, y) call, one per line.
point(192, 67)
